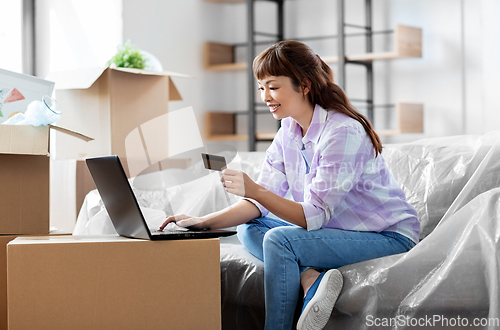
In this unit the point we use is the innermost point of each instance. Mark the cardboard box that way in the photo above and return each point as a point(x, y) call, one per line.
point(24, 178)
point(4, 240)
point(110, 282)
point(108, 104)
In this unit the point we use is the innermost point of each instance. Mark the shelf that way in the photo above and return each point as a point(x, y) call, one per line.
point(219, 56)
point(220, 126)
point(410, 120)
point(408, 44)
point(227, 137)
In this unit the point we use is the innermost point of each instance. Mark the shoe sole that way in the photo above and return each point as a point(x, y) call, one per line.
point(317, 312)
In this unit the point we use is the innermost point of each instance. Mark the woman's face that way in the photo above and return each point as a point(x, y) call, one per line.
point(282, 98)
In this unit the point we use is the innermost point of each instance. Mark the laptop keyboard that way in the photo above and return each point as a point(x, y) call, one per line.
point(167, 232)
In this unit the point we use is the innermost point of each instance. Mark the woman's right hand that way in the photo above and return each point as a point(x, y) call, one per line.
point(183, 220)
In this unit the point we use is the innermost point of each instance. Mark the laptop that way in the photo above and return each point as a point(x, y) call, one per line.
point(123, 209)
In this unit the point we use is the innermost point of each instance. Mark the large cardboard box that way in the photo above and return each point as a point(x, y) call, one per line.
point(110, 282)
point(4, 240)
point(24, 178)
point(108, 104)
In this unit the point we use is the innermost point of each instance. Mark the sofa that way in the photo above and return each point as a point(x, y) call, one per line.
point(450, 278)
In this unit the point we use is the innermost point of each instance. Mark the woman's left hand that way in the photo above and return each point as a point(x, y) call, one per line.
point(239, 183)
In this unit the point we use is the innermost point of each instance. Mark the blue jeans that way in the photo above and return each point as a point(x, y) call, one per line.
point(288, 250)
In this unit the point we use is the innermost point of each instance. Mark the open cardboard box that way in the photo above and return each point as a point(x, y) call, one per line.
point(111, 282)
point(24, 176)
point(108, 104)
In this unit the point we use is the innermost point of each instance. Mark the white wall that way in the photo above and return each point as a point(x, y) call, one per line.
point(11, 36)
point(456, 78)
point(173, 32)
point(483, 66)
point(74, 34)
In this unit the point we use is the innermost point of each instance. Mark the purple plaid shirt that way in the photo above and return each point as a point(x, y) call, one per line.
point(346, 187)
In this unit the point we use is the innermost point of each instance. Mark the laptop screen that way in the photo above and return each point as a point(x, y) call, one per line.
point(118, 197)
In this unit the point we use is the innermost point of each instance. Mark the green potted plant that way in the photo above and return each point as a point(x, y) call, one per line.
point(128, 56)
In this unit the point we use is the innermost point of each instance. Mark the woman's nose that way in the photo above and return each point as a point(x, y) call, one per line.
point(266, 96)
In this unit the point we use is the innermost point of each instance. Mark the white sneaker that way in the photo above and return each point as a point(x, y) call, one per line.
point(318, 308)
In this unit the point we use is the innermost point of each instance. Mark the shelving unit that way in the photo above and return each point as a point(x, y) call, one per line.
point(408, 44)
point(221, 57)
point(221, 126)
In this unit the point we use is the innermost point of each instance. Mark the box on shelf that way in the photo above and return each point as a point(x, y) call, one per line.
point(111, 282)
point(24, 177)
point(108, 104)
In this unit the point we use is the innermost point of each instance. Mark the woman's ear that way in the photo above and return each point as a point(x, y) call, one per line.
point(306, 86)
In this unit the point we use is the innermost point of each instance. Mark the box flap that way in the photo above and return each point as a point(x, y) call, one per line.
point(174, 94)
point(76, 79)
point(30, 140)
point(153, 73)
point(84, 78)
point(72, 133)
point(24, 140)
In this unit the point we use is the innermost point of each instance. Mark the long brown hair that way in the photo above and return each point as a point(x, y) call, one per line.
point(297, 61)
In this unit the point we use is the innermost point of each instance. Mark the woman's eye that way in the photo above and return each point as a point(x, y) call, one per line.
point(273, 88)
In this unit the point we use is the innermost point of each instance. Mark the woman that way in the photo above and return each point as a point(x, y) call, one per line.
point(346, 206)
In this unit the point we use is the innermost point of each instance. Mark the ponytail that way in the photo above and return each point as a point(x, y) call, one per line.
point(330, 96)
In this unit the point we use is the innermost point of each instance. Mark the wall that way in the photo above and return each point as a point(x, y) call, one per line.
point(175, 32)
point(72, 34)
point(11, 36)
point(482, 54)
point(76, 34)
point(455, 79)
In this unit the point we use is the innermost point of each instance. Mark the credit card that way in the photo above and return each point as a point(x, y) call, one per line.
point(213, 162)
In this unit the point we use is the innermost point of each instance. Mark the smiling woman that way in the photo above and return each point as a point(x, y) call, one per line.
point(346, 207)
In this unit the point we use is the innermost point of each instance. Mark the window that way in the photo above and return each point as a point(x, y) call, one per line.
point(11, 57)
